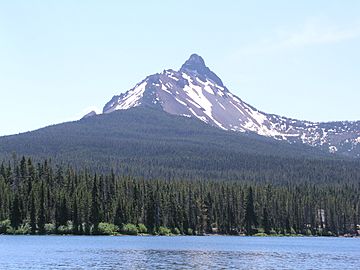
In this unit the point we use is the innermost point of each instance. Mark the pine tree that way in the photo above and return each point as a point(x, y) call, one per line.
point(250, 219)
point(15, 214)
point(287, 225)
point(63, 212)
point(32, 214)
point(119, 216)
point(95, 209)
point(266, 222)
point(75, 217)
point(41, 213)
point(150, 211)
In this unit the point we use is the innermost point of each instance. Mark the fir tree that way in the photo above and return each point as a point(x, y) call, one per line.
point(250, 219)
point(75, 217)
point(119, 217)
point(41, 213)
point(95, 212)
point(32, 214)
point(266, 222)
point(15, 214)
point(63, 212)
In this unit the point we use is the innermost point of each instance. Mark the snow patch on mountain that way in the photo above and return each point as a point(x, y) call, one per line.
point(132, 97)
point(196, 91)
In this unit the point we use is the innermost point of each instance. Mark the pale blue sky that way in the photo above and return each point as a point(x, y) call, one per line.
point(59, 58)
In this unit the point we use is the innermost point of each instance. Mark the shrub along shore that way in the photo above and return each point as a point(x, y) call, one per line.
point(130, 229)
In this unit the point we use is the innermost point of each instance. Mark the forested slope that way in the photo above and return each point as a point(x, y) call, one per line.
point(153, 144)
point(40, 198)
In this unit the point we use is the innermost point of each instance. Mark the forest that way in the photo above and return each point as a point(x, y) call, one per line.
point(43, 198)
point(144, 142)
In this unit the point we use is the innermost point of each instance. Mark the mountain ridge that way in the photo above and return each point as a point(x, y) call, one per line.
point(196, 91)
point(150, 143)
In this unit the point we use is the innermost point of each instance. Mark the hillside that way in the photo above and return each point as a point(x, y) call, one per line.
point(148, 142)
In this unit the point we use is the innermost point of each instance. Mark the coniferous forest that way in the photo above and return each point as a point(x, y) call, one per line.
point(42, 198)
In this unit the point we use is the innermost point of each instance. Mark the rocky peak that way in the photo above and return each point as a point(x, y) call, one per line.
point(196, 91)
point(195, 62)
point(195, 65)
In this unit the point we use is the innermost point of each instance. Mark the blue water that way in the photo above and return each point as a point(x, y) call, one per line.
point(212, 252)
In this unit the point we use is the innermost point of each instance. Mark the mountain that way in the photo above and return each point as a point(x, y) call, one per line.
point(182, 124)
point(197, 92)
point(150, 143)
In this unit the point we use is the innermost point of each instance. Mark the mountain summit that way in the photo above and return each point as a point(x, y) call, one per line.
point(196, 66)
point(196, 91)
point(195, 62)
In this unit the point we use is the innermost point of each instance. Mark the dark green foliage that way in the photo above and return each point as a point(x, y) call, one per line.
point(62, 212)
point(119, 214)
point(66, 201)
point(149, 143)
point(266, 222)
point(41, 216)
point(129, 229)
point(250, 220)
point(95, 212)
point(32, 213)
point(75, 218)
point(15, 214)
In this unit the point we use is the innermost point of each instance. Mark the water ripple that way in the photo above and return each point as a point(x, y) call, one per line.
point(177, 253)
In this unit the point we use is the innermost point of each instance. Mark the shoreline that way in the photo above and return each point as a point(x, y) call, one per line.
point(182, 235)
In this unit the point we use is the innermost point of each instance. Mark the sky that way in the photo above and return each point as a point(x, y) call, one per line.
point(61, 59)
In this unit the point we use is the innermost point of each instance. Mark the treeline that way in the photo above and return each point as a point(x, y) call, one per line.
point(42, 199)
point(151, 144)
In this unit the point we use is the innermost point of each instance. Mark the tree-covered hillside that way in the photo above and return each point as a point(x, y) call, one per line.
point(151, 143)
point(39, 198)
point(146, 171)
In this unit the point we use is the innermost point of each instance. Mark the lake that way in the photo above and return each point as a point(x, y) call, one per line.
point(154, 252)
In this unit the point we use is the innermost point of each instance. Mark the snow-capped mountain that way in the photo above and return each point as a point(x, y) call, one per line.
point(196, 91)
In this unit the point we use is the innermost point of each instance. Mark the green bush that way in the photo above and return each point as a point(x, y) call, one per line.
point(129, 229)
point(164, 231)
point(260, 234)
point(142, 228)
point(65, 229)
point(23, 229)
point(273, 232)
point(11, 230)
point(50, 228)
point(175, 231)
point(108, 228)
point(189, 231)
point(4, 226)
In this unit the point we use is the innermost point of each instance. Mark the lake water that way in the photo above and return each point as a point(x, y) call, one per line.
point(209, 252)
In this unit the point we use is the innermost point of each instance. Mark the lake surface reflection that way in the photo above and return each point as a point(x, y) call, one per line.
point(212, 252)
